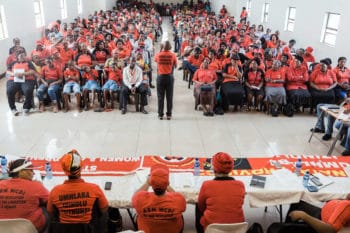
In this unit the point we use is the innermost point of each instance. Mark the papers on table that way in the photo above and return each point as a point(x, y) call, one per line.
point(183, 180)
point(325, 181)
point(142, 175)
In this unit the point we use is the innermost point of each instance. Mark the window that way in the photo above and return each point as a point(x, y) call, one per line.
point(265, 12)
point(290, 19)
point(3, 25)
point(38, 13)
point(63, 6)
point(249, 6)
point(80, 7)
point(330, 28)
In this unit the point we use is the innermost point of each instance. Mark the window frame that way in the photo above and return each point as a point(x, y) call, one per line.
point(329, 31)
point(265, 12)
point(249, 6)
point(289, 19)
point(80, 7)
point(3, 24)
point(63, 8)
point(39, 14)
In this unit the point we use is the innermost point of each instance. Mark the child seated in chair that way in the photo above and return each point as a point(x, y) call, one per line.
point(90, 76)
point(113, 84)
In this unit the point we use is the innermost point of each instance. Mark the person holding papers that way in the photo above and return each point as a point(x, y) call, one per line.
point(331, 218)
point(159, 211)
point(220, 200)
point(21, 77)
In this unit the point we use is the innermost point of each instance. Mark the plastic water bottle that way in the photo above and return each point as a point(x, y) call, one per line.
point(306, 179)
point(4, 165)
point(48, 170)
point(197, 167)
point(298, 166)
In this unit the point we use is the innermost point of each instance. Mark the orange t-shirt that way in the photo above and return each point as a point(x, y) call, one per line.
point(274, 75)
point(66, 55)
point(221, 201)
point(52, 74)
point(115, 75)
point(166, 62)
point(196, 61)
point(323, 80)
point(343, 75)
point(92, 75)
point(84, 59)
point(72, 73)
point(26, 66)
point(229, 69)
point(159, 214)
point(336, 213)
point(22, 198)
point(75, 199)
point(297, 78)
point(204, 75)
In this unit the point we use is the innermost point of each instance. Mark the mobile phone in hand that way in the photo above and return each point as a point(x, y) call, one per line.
point(108, 185)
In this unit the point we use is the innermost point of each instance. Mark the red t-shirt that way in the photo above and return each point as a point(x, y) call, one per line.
point(336, 213)
point(274, 75)
point(323, 80)
point(343, 75)
point(297, 78)
point(196, 61)
point(92, 75)
point(255, 78)
point(26, 66)
point(72, 73)
point(115, 75)
point(159, 214)
point(22, 198)
point(75, 199)
point(221, 201)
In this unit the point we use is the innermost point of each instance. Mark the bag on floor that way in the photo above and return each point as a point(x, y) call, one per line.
point(274, 110)
point(255, 228)
point(288, 110)
point(115, 221)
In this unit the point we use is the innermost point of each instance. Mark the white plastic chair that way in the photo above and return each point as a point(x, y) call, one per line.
point(227, 228)
point(17, 225)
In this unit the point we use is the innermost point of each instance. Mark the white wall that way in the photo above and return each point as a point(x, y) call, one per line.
point(308, 25)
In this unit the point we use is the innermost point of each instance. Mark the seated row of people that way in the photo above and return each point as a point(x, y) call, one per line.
point(79, 206)
point(249, 84)
point(54, 83)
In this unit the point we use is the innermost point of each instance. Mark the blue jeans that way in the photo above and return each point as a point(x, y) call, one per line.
point(91, 85)
point(320, 120)
point(68, 87)
point(43, 90)
point(110, 85)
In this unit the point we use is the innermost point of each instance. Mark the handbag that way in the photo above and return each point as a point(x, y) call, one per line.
point(206, 87)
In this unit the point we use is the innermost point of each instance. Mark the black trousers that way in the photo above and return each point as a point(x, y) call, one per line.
point(142, 89)
point(165, 87)
point(27, 88)
point(292, 227)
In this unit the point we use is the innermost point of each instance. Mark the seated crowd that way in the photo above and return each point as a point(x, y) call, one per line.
point(89, 55)
point(79, 206)
point(253, 67)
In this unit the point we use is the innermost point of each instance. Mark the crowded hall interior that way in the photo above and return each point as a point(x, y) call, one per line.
point(115, 107)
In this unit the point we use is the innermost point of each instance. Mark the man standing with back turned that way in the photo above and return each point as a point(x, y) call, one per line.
point(167, 61)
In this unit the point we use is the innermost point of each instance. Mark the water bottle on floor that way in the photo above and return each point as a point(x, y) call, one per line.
point(3, 166)
point(197, 167)
point(306, 179)
point(48, 170)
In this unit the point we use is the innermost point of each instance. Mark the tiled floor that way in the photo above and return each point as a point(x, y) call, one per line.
point(189, 133)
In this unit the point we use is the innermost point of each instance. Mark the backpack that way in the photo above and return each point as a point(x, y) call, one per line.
point(274, 110)
point(288, 110)
point(255, 228)
point(115, 221)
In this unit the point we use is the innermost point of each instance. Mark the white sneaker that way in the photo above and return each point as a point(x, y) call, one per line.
point(15, 112)
point(25, 112)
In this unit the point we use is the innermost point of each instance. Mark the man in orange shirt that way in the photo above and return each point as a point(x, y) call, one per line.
point(166, 61)
point(76, 204)
point(161, 210)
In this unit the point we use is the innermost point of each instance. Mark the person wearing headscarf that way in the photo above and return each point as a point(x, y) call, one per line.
point(161, 210)
point(220, 200)
point(75, 204)
point(28, 197)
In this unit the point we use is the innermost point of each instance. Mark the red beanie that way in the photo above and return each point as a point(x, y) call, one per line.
point(222, 163)
point(159, 178)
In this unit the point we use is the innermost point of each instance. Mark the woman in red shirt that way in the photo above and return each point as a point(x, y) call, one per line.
point(231, 88)
point(204, 90)
point(254, 81)
point(343, 78)
point(50, 81)
point(275, 93)
point(220, 200)
point(297, 78)
point(322, 83)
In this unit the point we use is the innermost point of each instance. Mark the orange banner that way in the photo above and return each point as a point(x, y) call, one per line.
point(114, 166)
